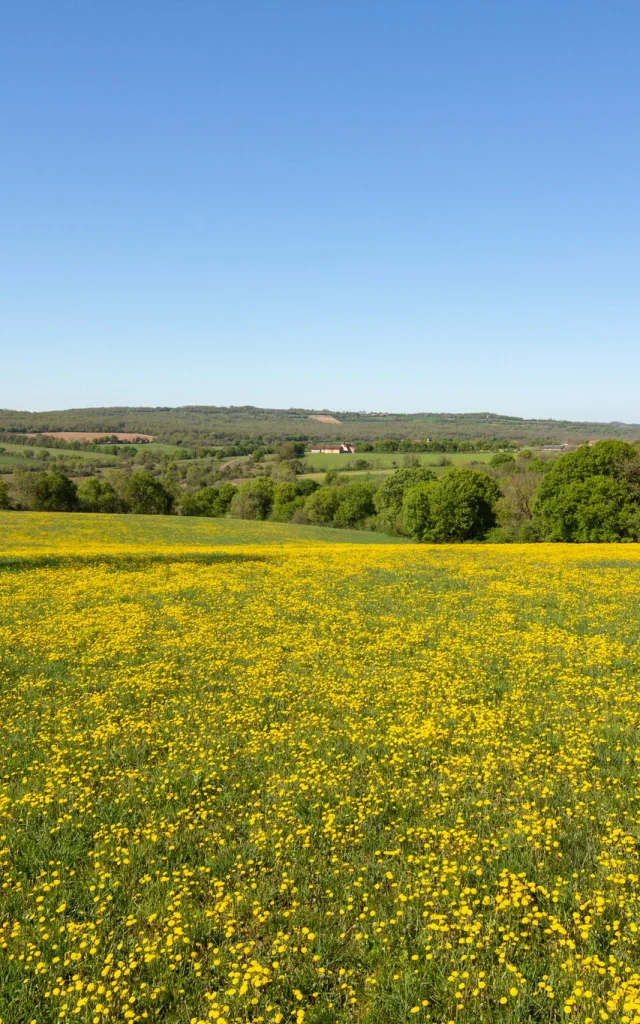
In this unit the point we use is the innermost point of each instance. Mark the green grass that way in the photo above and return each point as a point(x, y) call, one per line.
point(16, 451)
point(387, 462)
point(45, 531)
point(315, 784)
point(158, 448)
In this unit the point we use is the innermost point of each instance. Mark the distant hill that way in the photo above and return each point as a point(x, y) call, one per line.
point(218, 424)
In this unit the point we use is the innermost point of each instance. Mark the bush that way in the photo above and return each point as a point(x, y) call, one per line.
point(4, 495)
point(502, 460)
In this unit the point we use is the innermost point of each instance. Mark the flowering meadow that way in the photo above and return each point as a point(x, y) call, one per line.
point(248, 774)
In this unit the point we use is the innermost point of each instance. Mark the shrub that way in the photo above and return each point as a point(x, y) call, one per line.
point(502, 460)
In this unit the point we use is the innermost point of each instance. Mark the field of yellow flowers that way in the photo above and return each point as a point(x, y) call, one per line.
point(312, 781)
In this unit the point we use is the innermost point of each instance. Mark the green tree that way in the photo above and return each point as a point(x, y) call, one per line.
point(290, 450)
point(286, 500)
point(253, 499)
point(98, 495)
point(55, 492)
point(458, 507)
point(208, 501)
point(322, 505)
point(356, 505)
point(4, 495)
point(416, 511)
point(605, 458)
point(591, 494)
point(23, 488)
point(502, 460)
point(306, 486)
point(598, 509)
point(389, 497)
point(145, 495)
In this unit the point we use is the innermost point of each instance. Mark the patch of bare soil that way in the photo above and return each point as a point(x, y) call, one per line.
point(324, 419)
point(91, 435)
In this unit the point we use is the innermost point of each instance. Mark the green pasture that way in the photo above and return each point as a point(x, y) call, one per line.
point(386, 462)
point(157, 448)
point(15, 452)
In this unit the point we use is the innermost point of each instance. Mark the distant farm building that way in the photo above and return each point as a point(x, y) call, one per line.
point(333, 449)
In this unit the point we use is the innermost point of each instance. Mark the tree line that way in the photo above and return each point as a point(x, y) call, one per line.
point(591, 494)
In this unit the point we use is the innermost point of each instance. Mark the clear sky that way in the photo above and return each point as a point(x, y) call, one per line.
point(426, 205)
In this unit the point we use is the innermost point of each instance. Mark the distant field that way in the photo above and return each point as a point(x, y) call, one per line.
point(387, 461)
point(16, 451)
point(160, 449)
point(91, 435)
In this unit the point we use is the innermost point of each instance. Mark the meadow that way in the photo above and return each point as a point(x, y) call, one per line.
point(386, 462)
point(250, 774)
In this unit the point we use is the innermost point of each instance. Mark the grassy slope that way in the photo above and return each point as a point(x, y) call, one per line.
point(45, 532)
point(16, 452)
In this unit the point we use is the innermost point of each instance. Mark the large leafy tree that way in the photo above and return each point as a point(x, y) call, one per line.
point(55, 492)
point(389, 497)
point(592, 494)
point(356, 505)
point(321, 506)
point(208, 501)
point(98, 495)
point(458, 507)
point(254, 499)
point(145, 495)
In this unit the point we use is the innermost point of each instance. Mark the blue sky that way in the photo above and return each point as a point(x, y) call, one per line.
point(398, 206)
